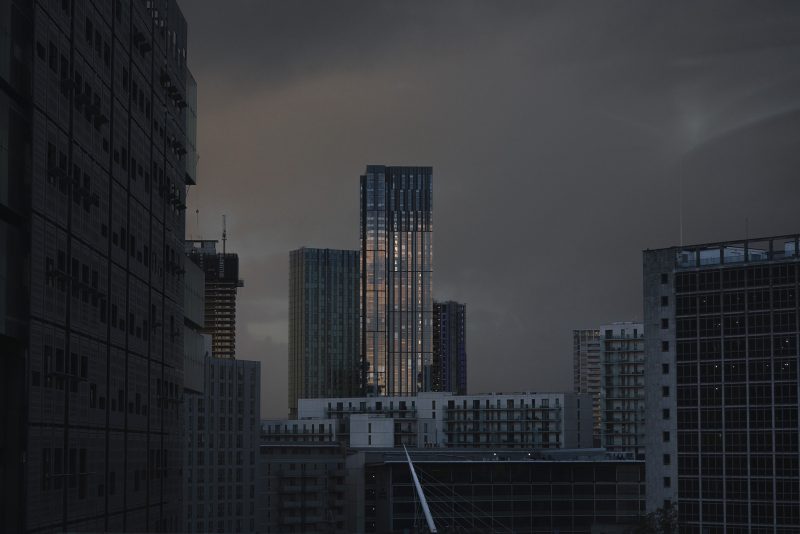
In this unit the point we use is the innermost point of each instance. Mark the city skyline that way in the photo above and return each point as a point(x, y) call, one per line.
point(625, 168)
point(534, 116)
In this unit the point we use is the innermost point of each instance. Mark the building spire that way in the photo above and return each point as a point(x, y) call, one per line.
point(224, 233)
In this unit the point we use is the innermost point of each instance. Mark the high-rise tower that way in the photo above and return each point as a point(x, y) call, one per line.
point(449, 347)
point(96, 150)
point(323, 324)
point(586, 372)
point(221, 271)
point(396, 278)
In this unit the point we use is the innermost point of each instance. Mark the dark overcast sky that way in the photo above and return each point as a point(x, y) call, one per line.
point(557, 132)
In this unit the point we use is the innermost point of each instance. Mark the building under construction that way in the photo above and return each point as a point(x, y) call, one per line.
point(222, 281)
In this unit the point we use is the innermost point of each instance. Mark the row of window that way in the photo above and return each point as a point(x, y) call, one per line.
point(733, 371)
point(741, 465)
point(736, 325)
point(734, 278)
point(733, 301)
point(736, 440)
point(736, 348)
point(736, 512)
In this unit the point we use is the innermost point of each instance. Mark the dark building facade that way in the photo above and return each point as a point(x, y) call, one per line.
point(222, 283)
point(449, 372)
point(304, 486)
point(396, 277)
point(221, 478)
point(573, 492)
point(587, 371)
point(324, 324)
point(95, 156)
point(722, 384)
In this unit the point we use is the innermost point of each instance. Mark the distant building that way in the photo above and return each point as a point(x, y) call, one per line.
point(221, 479)
point(221, 270)
point(396, 277)
point(449, 371)
point(97, 118)
point(623, 387)
point(498, 490)
point(514, 420)
point(586, 372)
point(721, 335)
point(324, 328)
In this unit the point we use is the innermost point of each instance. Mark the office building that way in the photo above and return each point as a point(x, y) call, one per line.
point(220, 460)
point(97, 150)
point(449, 372)
point(622, 392)
point(221, 270)
point(565, 491)
point(324, 324)
point(586, 372)
point(722, 374)
point(396, 276)
point(512, 420)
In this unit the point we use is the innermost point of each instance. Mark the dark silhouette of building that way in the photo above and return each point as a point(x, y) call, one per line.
point(396, 276)
point(449, 372)
point(222, 282)
point(586, 371)
point(722, 384)
point(324, 323)
point(99, 109)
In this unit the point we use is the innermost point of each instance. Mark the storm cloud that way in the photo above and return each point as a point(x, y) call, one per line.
point(560, 134)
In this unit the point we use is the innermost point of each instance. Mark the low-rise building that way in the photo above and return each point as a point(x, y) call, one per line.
point(441, 419)
point(500, 490)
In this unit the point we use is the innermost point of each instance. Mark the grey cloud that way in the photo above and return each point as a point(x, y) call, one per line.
point(558, 132)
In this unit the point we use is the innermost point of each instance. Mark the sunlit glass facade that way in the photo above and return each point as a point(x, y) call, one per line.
point(396, 279)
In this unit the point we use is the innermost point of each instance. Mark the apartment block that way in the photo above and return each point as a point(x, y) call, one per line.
point(622, 390)
point(586, 373)
point(522, 420)
point(221, 479)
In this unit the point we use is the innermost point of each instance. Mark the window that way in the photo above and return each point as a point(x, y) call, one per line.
point(664, 278)
point(665, 346)
point(667, 482)
point(665, 391)
point(664, 368)
point(667, 459)
point(664, 301)
point(665, 413)
point(664, 324)
point(665, 437)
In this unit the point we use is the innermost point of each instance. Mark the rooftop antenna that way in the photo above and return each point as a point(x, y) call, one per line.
point(680, 198)
point(224, 234)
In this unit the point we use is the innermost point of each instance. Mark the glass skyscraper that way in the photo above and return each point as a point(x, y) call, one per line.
point(396, 278)
point(323, 324)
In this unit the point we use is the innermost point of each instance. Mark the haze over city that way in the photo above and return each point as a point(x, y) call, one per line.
point(559, 133)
